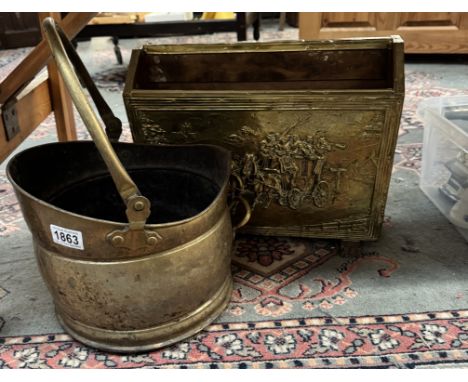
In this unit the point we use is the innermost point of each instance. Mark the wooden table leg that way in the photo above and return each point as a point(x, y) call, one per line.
point(241, 26)
point(282, 21)
point(256, 27)
point(61, 101)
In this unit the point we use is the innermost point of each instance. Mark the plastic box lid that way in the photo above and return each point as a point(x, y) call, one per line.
point(450, 114)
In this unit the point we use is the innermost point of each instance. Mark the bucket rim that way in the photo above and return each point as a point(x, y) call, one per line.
point(199, 215)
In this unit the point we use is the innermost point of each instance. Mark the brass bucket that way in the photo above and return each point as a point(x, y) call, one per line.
point(123, 277)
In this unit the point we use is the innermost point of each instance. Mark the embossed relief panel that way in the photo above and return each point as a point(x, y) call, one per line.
point(314, 169)
point(312, 125)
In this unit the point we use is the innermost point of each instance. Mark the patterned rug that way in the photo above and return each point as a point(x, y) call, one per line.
point(401, 303)
point(396, 341)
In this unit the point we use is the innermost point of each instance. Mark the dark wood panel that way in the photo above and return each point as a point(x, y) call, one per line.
point(272, 86)
point(158, 29)
point(19, 29)
point(263, 67)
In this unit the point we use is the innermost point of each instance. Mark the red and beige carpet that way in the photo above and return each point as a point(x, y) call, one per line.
point(401, 303)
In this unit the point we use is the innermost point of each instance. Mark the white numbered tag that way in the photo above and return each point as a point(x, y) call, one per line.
point(67, 237)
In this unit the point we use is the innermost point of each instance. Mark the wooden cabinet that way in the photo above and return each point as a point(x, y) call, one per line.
point(423, 32)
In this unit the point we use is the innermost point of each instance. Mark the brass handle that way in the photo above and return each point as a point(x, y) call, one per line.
point(247, 213)
point(138, 207)
point(237, 186)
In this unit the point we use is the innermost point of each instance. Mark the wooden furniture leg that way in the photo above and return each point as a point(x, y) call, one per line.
point(309, 25)
point(241, 26)
point(117, 51)
point(32, 104)
point(61, 101)
point(256, 27)
point(39, 57)
point(243, 21)
point(282, 21)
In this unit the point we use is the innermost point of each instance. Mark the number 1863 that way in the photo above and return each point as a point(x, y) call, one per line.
point(66, 237)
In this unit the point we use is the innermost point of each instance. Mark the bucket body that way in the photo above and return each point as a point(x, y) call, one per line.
point(129, 299)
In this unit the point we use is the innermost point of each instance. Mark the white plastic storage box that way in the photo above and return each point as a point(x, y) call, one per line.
point(444, 177)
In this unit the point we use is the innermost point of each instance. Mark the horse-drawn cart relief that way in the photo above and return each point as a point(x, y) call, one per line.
point(287, 169)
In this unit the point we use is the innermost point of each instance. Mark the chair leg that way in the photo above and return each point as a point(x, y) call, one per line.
point(241, 27)
point(117, 51)
point(256, 28)
point(282, 21)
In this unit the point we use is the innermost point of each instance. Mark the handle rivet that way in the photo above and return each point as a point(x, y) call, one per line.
point(117, 240)
point(139, 205)
point(152, 241)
